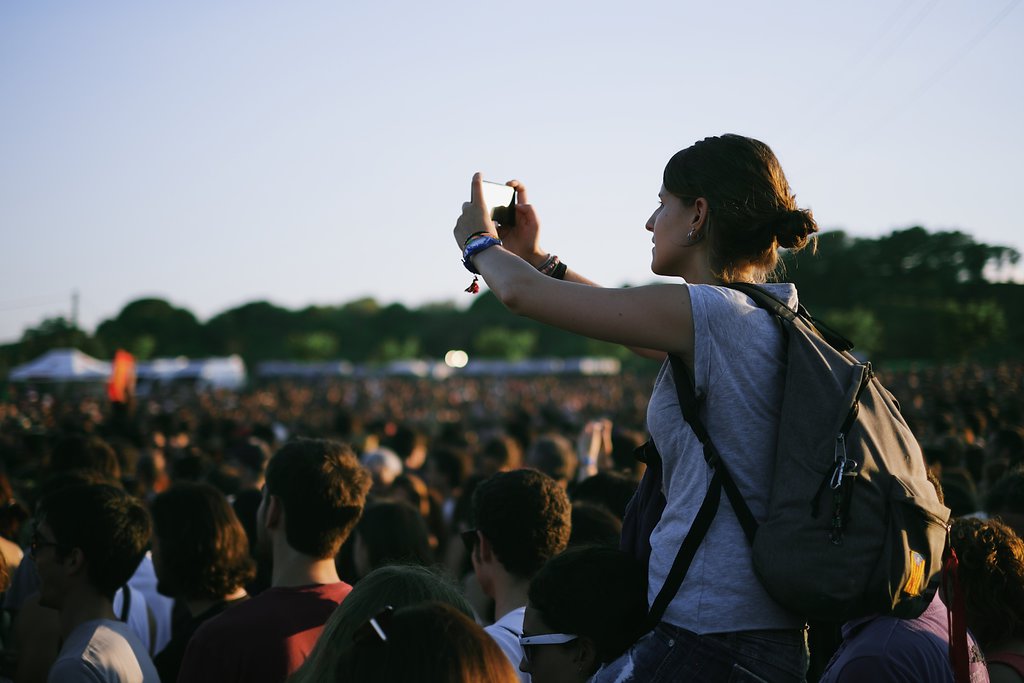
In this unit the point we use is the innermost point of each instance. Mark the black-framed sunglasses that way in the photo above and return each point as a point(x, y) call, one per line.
point(376, 628)
point(469, 539)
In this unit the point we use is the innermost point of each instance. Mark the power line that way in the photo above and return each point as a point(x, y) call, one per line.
point(948, 65)
point(966, 49)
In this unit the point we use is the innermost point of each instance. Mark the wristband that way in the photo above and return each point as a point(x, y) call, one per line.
point(475, 246)
point(474, 236)
point(559, 271)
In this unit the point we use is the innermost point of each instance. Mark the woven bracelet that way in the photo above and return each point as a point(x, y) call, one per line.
point(475, 246)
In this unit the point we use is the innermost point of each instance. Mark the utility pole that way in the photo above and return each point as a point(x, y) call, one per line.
point(74, 308)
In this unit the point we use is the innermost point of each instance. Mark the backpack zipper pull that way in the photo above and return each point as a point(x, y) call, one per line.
point(840, 462)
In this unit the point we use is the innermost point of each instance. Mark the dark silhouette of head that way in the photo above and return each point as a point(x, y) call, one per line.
point(322, 488)
point(110, 528)
point(200, 549)
point(525, 515)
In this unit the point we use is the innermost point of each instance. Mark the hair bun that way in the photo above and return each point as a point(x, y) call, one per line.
point(794, 228)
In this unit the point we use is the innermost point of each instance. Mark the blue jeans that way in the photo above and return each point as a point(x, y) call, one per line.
point(673, 654)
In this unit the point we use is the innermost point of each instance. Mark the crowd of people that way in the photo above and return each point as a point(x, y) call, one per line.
point(280, 534)
point(495, 531)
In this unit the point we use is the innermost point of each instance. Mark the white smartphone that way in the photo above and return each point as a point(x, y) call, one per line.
point(501, 202)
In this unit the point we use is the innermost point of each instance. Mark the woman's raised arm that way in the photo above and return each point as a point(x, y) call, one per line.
point(656, 317)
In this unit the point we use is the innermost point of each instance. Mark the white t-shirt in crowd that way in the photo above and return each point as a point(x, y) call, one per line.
point(103, 651)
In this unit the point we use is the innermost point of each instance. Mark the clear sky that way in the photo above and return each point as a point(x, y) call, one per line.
point(216, 153)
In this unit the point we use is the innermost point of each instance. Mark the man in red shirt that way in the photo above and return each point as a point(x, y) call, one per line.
point(314, 495)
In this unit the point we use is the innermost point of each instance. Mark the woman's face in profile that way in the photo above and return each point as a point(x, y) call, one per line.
point(669, 226)
point(550, 663)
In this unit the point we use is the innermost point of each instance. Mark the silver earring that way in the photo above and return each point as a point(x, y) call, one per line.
point(694, 236)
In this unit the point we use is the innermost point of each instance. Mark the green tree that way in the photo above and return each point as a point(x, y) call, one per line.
point(314, 346)
point(153, 327)
point(503, 343)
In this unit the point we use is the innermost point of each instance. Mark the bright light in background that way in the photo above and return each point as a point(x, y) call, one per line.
point(456, 358)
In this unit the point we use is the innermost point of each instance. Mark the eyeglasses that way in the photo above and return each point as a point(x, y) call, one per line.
point(469, 539)
point(36, 542)
point(527, 642)
point(376, 628)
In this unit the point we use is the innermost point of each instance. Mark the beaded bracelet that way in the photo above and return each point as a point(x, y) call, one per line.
point(554, 267)
point(549, 264)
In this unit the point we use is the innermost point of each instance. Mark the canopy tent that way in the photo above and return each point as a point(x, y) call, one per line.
point(62, 365)
point(226, 373)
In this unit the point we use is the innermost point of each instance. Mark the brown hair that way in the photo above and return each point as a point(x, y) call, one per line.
point(752, 210)
point(992, 573)
point(204, 552)
point(323, 489)
point(432, 642)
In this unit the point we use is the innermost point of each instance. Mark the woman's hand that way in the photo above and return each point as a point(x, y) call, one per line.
point(475, 216)
point(523, 239)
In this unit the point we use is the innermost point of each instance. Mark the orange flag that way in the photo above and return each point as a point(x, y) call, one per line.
point(122, 377)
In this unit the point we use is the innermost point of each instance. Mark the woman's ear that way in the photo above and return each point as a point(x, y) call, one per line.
point(700, 214)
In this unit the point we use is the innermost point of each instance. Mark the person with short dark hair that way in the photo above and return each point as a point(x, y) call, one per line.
point(88, 541)
point(554, 455)
point(201, 557)
point(586, 607)
point(594, 524)
point(390, 532)
point(313, 498)
point(521, 519)
point(85, 452)
point(1006, 500)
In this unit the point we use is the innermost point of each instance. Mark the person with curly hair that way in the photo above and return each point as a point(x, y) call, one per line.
point(992, 575)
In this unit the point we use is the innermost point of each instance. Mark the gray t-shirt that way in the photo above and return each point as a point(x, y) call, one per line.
point(739, 366)
point(103, 651)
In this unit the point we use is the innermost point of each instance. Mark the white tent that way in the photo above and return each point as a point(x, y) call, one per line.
point(227, 372)
point(62, 365)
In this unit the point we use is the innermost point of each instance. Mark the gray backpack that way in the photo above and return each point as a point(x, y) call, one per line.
point(853, 525)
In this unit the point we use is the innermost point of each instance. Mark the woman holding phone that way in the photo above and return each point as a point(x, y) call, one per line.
point(725, 208)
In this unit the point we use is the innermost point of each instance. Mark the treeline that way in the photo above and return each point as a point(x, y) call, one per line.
point(910, 295)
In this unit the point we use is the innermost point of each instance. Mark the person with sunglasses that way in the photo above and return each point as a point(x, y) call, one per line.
point(586, 607)
point(521, 519)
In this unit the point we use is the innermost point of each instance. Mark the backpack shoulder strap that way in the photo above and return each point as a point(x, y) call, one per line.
point(126, 603)
point(720, 479)
point(780, 309)
point(688, 404)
